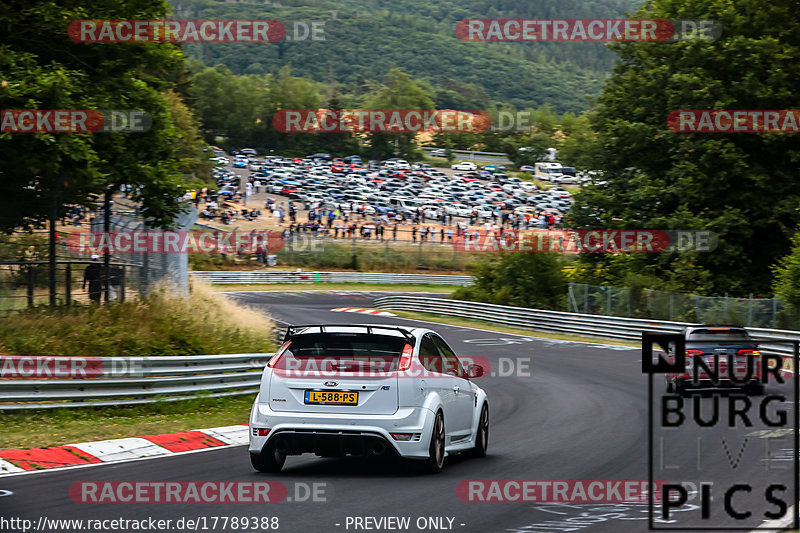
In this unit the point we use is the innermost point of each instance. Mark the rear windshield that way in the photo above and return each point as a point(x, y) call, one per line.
point(720, 334)
point(344, 352)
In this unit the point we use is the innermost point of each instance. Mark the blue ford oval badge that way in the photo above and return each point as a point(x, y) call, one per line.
point(331, 383)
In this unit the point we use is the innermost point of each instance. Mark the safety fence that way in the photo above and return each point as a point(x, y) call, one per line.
point(640, 302)
point(609, 327)
point(98, 381)
point(273, 276)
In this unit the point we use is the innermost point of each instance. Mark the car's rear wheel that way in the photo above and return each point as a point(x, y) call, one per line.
point(269, 460)
point(435, 461)
point(482, 436)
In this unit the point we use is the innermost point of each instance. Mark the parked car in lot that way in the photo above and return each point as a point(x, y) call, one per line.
point(465, 165)
point(227, 190)
point(395, 390)
point(726, 344)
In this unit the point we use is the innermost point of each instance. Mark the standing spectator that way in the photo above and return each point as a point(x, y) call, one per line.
point(441, 235)
point(257, 186)
point(94, 275)
point(394, 233)
point(414, 234)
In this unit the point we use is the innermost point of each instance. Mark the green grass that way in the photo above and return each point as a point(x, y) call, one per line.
point(481, 324)
point(376, 256)
point(161, 324)
point(51, 427)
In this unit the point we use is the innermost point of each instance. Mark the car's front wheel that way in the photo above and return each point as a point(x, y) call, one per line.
point(435, 461)
point(482, 435)
point(269, 460)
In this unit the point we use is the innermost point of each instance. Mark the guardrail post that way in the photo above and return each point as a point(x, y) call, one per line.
point(68, 284)
point(671, 305)
point(749, 309)
point(30, 285)
point(122, 284)
point(585, 299)
point(775, 315)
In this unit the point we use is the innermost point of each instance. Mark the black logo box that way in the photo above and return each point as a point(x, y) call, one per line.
point(649, 367)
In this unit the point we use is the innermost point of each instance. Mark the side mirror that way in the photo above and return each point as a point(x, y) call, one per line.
point(474, 371)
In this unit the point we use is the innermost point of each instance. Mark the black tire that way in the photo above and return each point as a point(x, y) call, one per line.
point(670, 386)
point(269, 460)
point(435, 461)
point(680, 386)
point(482, 435)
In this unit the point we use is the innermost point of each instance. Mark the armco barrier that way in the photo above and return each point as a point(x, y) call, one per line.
point(609, 327)
point(136, 380)
point(256, 277)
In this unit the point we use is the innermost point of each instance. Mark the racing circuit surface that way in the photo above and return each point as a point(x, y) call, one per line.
point(565, 411)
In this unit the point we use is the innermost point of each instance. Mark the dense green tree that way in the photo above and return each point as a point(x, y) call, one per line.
point(742, 186)
point(523, 279)
point(363, 38)
point(399, 91)
point(42, 68)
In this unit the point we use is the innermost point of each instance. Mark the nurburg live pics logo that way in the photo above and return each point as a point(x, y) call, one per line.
point(742, 496)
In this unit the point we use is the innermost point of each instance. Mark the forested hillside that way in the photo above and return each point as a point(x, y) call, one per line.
point(365, 38)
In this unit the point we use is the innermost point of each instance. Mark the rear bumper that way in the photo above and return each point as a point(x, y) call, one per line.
point(337, 435)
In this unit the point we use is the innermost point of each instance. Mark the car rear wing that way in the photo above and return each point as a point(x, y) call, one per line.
point(291, 331)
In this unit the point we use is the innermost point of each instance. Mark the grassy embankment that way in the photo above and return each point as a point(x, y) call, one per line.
point(162, 324)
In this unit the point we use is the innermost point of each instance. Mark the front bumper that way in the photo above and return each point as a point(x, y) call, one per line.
point(336, 435)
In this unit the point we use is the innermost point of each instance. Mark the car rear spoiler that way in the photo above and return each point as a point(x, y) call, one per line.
point(291, 331)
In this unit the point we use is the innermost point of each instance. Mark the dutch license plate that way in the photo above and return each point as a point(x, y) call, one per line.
point(331, 397)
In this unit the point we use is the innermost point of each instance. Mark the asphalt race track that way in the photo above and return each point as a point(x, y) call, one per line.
point(559, 411)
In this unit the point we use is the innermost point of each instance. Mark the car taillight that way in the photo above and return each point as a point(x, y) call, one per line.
point(405, 358)
point(274, 360)
point(754, 353)
point(690, 354)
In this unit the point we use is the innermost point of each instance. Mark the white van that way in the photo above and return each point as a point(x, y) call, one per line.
point(546, 170)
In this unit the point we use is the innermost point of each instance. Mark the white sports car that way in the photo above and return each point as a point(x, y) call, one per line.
point(465, 165)
point(339, 390)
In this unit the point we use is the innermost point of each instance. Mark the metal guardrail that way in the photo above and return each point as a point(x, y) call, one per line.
point(608, 327)
point(136, 380)
point(256, 277)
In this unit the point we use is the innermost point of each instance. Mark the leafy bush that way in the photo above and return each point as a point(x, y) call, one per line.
point(533, 280)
